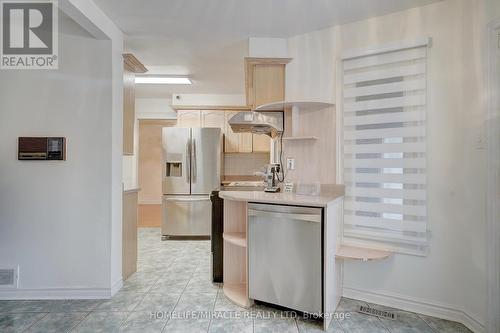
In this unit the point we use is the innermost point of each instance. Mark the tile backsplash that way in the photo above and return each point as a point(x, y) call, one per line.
point(244, 164)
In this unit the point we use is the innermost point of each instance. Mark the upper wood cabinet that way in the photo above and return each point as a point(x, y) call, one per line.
point(201, 118)
point(265, 80)
point(233, 142)
point(131, 66)
point(268, 84)
point(236, 142)
point(189, 118)
point(210, 118)
point(261, 143)
point(265, 83)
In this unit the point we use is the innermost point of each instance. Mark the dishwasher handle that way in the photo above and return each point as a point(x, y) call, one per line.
point(291, 216)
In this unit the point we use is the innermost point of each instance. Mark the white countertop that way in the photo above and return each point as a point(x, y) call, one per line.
point(328, 195)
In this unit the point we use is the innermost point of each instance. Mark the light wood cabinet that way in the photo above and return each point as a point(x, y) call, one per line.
point(201, 118)
point(235, 253)
point(264, 80)
point(189, 118)
point(268, 84)
point(265, 83)
point(236, 142)
point(261, 143)
point(128, 112)
point(233, 142)
point(231, 139)
point(210, 118)
point(246, 143)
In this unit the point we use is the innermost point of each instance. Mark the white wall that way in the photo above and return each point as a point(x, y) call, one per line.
point(208, 99)
point(259, 47)
point(154, 108)
point(55, 216)
point(451, 280)
point(493, 231)
point(311, 73)
point(92, 18)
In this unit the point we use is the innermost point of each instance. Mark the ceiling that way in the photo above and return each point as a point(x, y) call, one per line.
point(208, 39)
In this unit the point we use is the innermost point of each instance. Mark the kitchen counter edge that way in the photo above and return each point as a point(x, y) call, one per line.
point(328, 195)
point(131, 190)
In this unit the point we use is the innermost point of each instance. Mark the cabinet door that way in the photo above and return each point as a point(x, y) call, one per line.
point(236, 142)
point(246, 143)
point(268, 84)
point(215, 119)
point(231, 139)
point(261, 143)
point(128, 112)
point(189, 118)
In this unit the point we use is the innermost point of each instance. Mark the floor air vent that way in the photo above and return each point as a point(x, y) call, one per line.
point(8, 278)
point(378, 313)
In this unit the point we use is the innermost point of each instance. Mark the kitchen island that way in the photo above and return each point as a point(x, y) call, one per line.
point(280, 248)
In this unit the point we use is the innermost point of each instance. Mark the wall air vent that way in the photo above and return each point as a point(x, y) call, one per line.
point(377, 313)
point(8, 278)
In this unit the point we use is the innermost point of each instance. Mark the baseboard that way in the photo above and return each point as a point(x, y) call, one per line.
point(149, 202)
point(56, 293)
point(62, 293)
point(411, 304)
point(115, 287)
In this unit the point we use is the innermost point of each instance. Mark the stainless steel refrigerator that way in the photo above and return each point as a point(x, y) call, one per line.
point(191, 171)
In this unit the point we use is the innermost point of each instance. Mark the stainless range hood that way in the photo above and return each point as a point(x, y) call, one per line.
point(269, 123)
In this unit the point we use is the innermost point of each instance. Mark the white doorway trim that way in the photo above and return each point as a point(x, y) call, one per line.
point(493, 190)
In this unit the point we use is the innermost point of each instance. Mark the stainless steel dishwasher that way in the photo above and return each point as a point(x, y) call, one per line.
point(285, 256)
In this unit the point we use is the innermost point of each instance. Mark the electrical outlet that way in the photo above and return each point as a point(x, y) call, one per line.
point(290, 163)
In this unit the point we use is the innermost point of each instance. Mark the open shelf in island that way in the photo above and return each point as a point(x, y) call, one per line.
point(235, 281)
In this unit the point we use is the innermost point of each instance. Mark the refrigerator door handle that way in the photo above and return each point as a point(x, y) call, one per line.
point(188, 161)
point(193, 160)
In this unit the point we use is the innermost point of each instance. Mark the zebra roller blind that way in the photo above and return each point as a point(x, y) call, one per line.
point(384, 109)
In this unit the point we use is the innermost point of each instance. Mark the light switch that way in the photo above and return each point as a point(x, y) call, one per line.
point(290, 163)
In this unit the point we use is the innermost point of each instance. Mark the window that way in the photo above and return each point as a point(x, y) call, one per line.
point(384, 128)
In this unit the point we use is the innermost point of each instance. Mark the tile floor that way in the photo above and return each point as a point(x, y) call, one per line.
point(174, 276)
